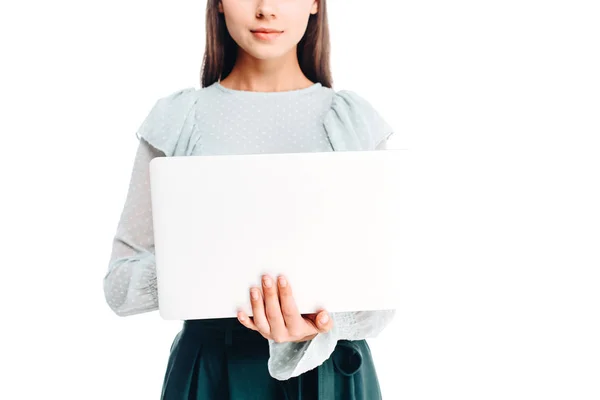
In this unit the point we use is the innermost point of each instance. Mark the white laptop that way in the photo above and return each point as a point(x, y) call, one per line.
point(327, 221)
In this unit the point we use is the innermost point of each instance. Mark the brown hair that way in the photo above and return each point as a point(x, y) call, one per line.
point(221, 50)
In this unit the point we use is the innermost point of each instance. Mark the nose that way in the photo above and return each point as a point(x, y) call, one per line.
point(266, 9)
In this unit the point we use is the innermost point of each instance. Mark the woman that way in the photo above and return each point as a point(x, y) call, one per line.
point(266, 88)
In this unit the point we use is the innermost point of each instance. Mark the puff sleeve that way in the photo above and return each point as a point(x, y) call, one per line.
point(353, 124)
point(169, 124)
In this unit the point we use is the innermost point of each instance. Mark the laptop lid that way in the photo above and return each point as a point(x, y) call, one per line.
point(327, 221)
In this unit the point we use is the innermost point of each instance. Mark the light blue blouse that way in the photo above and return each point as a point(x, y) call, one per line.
point(218, 120)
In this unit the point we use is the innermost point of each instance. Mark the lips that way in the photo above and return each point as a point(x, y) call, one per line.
point(266, 34)
point(265, 30)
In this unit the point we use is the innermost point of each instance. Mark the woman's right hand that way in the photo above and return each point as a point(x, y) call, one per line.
point(276, 316)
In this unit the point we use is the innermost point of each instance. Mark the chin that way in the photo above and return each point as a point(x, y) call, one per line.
point(267, 54)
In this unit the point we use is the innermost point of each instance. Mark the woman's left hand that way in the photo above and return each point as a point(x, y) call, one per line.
point(276, 317)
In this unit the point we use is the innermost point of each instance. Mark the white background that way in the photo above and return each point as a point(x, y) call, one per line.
point(498, 103)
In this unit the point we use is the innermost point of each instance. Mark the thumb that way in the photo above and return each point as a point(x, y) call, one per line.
point(324, 322)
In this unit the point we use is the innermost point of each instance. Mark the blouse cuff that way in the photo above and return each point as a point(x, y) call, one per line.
point(288, 360)
point(142, 295)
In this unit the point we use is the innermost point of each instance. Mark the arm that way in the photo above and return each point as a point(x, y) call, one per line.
point(130, 282)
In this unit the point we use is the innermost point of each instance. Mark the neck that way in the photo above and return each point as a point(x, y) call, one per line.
point(273, 75)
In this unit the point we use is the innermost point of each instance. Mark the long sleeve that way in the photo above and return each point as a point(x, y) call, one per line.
point(288, 360)
point(130, 282)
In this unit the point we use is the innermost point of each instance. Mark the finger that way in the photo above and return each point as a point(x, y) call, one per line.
point(258, 310)
point(323, 321)
point(273, 309)
point(246, 321)
point(289, 310)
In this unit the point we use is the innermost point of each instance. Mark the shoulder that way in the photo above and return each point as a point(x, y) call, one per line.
point(352, 122)
point(184, 97)
point(174, 104)
point(170, 118)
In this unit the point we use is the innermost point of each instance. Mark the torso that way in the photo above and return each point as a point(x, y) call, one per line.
point(240, 122)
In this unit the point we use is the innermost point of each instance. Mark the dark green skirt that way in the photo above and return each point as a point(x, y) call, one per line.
point(223, 360)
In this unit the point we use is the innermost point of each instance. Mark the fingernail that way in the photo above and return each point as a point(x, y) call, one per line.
point(282, 281)
point(254, 294)
point(241, 317)
point(324, 319)
point(267, 282)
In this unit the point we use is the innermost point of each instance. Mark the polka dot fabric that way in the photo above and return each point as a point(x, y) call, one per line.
point(130, 284)
point(216, 121)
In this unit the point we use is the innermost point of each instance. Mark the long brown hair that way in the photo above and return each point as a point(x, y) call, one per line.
point(221, 50)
